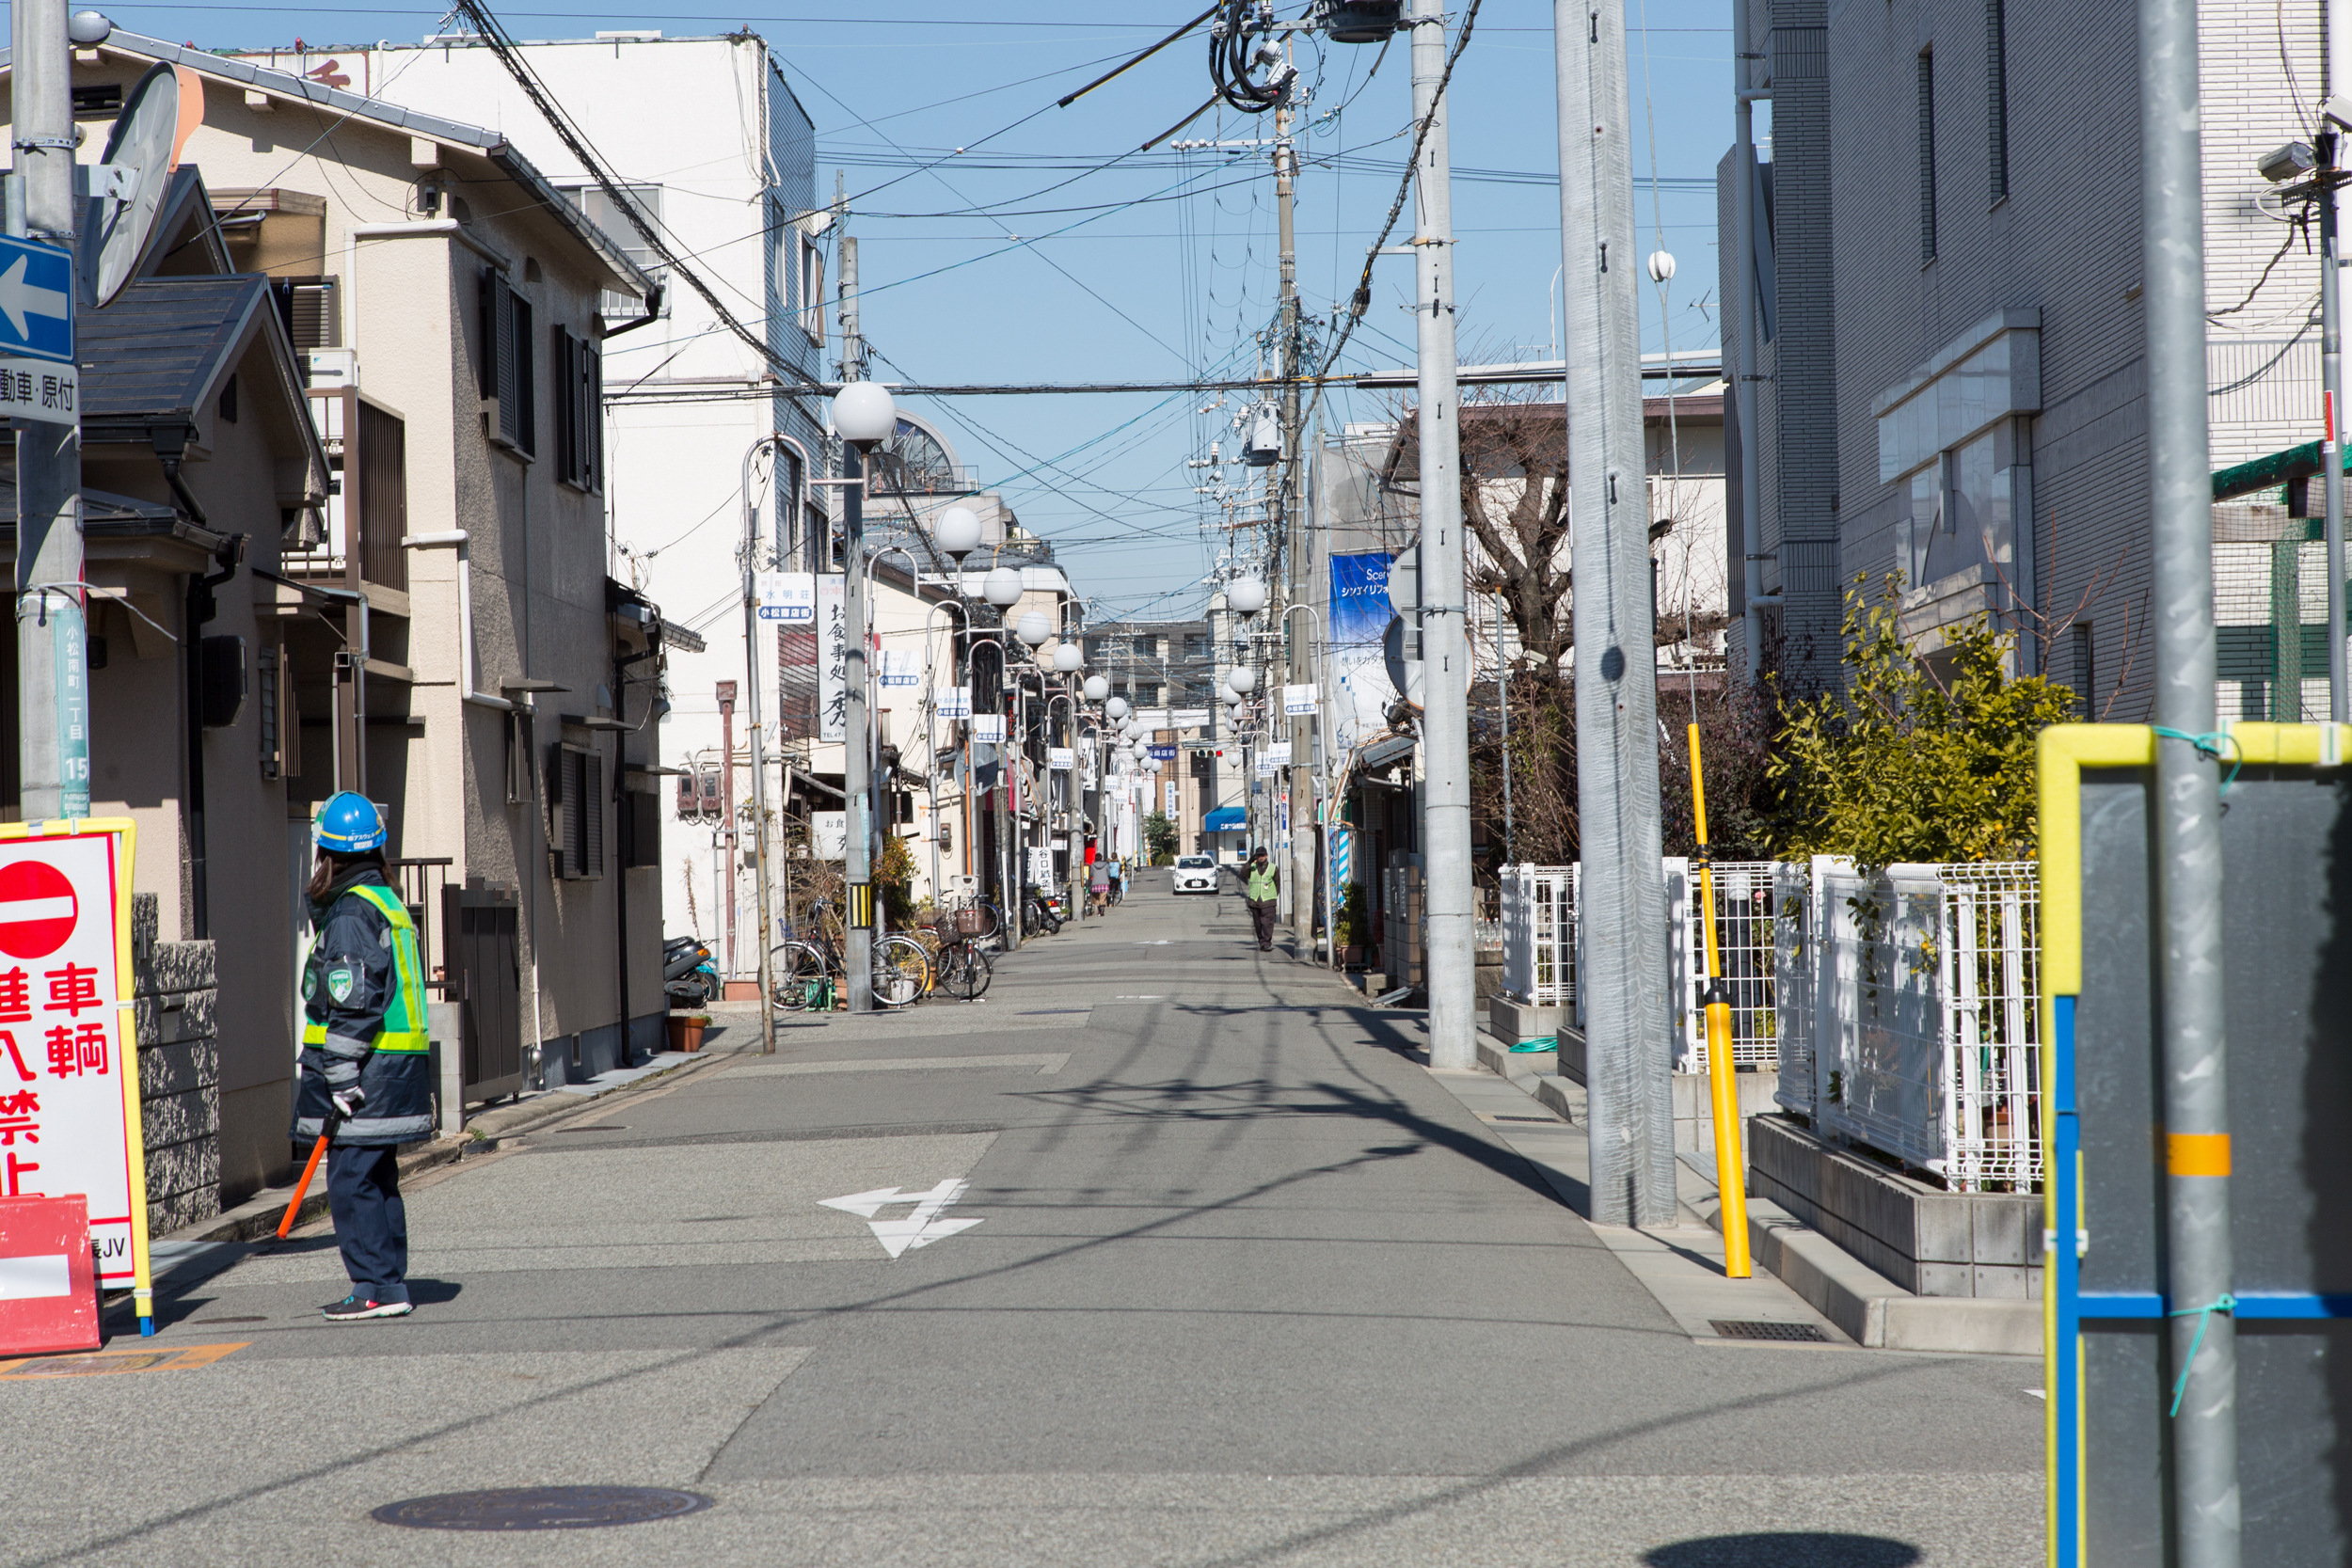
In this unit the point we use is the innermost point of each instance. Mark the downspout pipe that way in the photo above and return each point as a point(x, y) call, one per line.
point(470, 687)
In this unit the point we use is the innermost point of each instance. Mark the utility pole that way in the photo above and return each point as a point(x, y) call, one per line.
point(1445, 638)
point(2193, 1039)
point(1745, 375)
point(1298, 556)
point(725, 847)
point(857, 746)
point(764, 942)
point(2335, 79)
point(52, 681)
point(1624, 889)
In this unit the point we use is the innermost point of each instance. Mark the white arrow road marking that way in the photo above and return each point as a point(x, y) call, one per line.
point(919, 1229)
point(19, 299)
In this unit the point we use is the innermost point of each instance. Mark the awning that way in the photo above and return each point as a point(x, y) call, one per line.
point(1226, 819)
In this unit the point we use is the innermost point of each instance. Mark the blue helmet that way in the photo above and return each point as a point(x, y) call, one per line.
point(349, 824)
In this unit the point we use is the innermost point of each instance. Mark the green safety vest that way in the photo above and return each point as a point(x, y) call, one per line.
point(1262, 885)
point(405, 1020)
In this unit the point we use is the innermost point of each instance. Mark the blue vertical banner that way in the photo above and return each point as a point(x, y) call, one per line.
point(68, 643)
point(1357, 623)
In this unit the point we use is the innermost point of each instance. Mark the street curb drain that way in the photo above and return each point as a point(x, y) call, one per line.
point(1748, 1328)
point(531, 1508)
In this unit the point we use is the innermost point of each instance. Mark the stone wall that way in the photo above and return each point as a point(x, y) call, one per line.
point(179, 1073)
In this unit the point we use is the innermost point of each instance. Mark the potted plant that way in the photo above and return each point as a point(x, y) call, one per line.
point(686, 1030)
point(1351, 927)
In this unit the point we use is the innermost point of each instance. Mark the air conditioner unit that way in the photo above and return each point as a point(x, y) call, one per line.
point(332, 367)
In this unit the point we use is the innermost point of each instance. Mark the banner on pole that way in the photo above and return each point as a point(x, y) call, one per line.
point(1058, 758)
point(900, 669)
point(1172, 787)
point(955, 701)
point(989, 729)
point(832, 656)
point(69, 1052)
point(1299, 701)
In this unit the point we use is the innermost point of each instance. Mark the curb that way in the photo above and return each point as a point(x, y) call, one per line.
point(1870, 1308)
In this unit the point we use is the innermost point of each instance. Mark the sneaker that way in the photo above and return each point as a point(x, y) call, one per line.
point(355, 1306)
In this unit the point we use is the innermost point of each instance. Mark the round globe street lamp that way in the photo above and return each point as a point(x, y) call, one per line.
point(1116, 708)
point(864, 414)
point(1032, 628)
point(1067, 659)
point(1003, 587)
point(1245, 594)
point(1242, 680)
point(1097, 687)
point(957, 532)
point(90, 28)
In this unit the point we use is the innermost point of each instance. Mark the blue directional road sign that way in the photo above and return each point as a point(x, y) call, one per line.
point(36, 301)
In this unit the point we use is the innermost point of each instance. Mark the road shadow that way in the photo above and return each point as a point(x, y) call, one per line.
point(1785, 1549)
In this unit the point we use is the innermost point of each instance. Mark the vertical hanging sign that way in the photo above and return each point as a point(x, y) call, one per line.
point(70, 641)
point(832, 656)
point(69, 1050)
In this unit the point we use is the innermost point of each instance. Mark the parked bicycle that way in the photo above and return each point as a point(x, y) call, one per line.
point(805, 970)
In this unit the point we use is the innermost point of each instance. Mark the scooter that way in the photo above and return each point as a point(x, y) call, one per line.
point(687, 972)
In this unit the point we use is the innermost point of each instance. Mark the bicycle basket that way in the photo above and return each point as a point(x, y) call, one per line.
point(971, 923)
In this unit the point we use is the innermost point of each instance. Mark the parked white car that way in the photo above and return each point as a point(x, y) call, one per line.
point(1195, 873)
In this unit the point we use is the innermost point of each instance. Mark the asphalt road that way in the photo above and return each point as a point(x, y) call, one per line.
point(1213, 1272)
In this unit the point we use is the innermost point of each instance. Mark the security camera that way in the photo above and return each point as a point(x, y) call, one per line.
point(2293, 161)
point(2337, 112)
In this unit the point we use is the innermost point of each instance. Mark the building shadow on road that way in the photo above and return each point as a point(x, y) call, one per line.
point(1785, 1549)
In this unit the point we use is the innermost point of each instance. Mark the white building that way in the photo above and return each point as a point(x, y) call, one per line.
point(725, 170)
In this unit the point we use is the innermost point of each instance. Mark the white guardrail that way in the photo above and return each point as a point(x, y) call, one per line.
point(1900, 1011)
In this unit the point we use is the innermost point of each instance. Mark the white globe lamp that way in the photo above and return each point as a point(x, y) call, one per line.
point(1116, 708)
point(1246, 595)
point(1002, 588)
point(864, 414)
point(1244, 680)
point(1067, 659)
point(1097, 687)
point(1034, 629)
point(957, 532)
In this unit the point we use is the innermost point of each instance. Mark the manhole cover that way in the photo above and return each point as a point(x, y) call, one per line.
point(1743, 1328)
point(542, 1508)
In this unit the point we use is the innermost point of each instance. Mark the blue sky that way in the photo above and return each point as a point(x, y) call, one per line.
point(1163, 264)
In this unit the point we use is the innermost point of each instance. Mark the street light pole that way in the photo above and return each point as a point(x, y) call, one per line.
point(764, 941)
point(864, 416)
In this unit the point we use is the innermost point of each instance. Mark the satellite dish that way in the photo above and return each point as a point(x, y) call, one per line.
point(158, 117)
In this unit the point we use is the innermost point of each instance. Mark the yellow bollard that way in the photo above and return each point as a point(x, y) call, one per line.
point(1730, 1159)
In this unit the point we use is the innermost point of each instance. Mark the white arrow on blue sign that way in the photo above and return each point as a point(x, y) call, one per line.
point(36, 301)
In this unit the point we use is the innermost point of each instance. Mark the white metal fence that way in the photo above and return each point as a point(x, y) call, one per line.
point(1909, 1016)
point(1539, 934)
point(1745, 957)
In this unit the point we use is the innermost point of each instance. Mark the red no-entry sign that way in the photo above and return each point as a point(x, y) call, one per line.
point(38, 908)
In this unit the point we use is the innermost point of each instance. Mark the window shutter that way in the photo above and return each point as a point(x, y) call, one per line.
point(591, 815)
point(493, 333)
point(506, 391)
point(592, 415)
point(522, 367)
point(560, 359)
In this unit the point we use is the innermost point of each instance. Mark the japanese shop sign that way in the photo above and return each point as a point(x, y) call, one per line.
point(788, 596)
point(69, 1056)
point(1299, 701)
point(955, 701)
point(1058, 758)
point(832, 656)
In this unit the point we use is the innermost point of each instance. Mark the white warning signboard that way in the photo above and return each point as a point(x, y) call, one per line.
point(69, 1052)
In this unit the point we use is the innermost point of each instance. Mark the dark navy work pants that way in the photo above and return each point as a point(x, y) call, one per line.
point(370, 1222)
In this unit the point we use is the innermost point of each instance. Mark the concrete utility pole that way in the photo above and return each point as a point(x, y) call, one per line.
point(764, 942)
point(1624, 894)
point(2198, 1267)
point(1445, 637)
point(857, 780)
point(1299, 879)
point(725, 847)
point(2335, 79)
point(1743, 381)
point(53, 683)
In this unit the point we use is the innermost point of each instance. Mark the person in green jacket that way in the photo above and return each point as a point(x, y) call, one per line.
point(1265, 886)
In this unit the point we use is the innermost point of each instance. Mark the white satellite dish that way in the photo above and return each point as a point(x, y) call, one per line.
point(158, 117)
